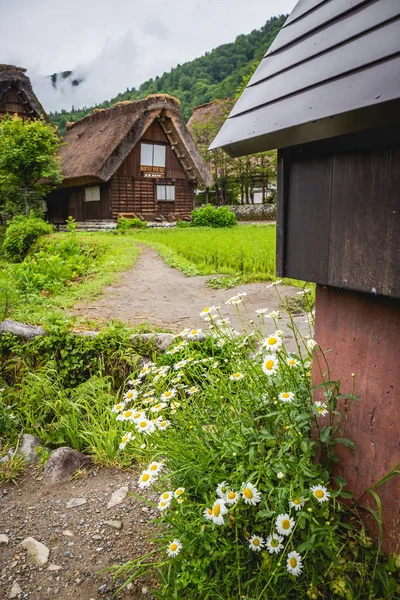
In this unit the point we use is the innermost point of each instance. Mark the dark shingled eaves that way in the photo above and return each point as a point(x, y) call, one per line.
point(97, 145)
point(333, 69)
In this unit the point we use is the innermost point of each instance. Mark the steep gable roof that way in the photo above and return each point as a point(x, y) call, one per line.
point(97, 145)
point(334, 68)
point(16, 89)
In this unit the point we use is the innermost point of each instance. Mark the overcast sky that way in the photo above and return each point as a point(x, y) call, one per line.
point(117, 44)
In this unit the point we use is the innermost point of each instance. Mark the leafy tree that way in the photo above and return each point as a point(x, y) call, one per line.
point(29, 168)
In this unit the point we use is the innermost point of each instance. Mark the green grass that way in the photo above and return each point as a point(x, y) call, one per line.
point(247, 251)
point(112, 254)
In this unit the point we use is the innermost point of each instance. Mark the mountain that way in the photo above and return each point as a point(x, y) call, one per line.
point(215, 75)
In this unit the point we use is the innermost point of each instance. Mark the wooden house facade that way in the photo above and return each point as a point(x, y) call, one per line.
point(16, 94)
point(327, 95)
point(134, 158)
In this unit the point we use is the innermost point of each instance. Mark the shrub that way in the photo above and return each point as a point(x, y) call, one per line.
point(209, 216)
point(124, 224)
point(183, 224)
point(21, 234)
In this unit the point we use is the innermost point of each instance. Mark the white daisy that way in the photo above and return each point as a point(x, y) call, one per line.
point(176, 379)
point(250, 494)
point(274, 314)
point(194, 334)
point(163, 505)
point(270, 364)
point(320, 493)
point(222, 489)
point(294, 563)
point(292, 362)
point(175, 404)
point(145, 370)
point(236, 376)
point(178, 492)
point(208, 514)
point(274, 543)
point(180, 365)
point(168, 394)
point(284, 524)
point(231, 497)
point(162, 425)
point(272, 342)
point(134, 382)
point(192, 390)
point(277, 282)
point(234, 300)
point(167, 496)
point(180, 500)
point(206, 311)
point(218, 511)
point(144, 426)
point(256, 543)
point(261, 311)
point(158, 407)
point(222, 322)
point(221, 343)
point(145, 480)
point(138, 415)
point(311, 344)
point(130, 395)
point(126, 415)
point(174, 548)
point(118, 407)
point(125, 439)
point(297, 503)
point(286, 396)
point(322, 408)
point(155, 468)
point(280, 475)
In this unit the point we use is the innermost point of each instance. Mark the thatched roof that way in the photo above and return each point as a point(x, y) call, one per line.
point(97, 145)
point(215, 112)
point(14, 83)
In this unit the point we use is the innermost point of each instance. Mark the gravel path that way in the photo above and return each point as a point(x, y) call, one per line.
point(152, 292)
point(80, 541)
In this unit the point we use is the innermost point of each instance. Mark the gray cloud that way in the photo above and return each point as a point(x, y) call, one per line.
point(120, 44)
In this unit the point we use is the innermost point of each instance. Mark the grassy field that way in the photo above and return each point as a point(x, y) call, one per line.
point(247, 251)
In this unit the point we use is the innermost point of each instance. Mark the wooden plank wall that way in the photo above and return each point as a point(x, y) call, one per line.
point(11, 103)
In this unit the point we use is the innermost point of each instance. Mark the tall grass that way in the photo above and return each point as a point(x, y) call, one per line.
point(247, 250)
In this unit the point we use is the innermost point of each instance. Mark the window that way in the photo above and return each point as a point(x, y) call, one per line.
point(92, 194)
point(152, 155)
point(166, 193)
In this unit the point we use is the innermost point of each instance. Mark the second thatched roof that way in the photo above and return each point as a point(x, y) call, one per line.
point(97, 145)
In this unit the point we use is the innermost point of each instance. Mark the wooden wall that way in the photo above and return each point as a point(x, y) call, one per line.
point(66, 202)
point(339, 214)
point(11, 103)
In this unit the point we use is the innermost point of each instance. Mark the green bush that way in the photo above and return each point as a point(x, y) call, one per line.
point(209, 216)
point(183, 224)
point(125, 224)
point(21, 234)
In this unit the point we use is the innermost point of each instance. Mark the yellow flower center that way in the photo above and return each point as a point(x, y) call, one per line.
point(320, 409)
point(319, 493)
point(124, 439)
point(206, 309)
point(285, 395)
point(209, 511)
point(194, 332)
point(296, 501)
point(153, 468)
point(236, 374)
point(231, 495)
point(145, 477)
point(165, 496)
point(128, 413)
point(129, 395)
point(178, 493)
point(163, 423)
point(173, 547)
point(143, 424)
point(136, 415)
point(293, 562)
point(247, 493)
point(168, 394)
point(269, 364)
point(274, 543)
point(285, 524)
point(216, 510)
point(256, 542)
point(292, 361)
point(272, 341)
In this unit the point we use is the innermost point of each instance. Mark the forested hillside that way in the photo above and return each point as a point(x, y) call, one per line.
point(217, 74)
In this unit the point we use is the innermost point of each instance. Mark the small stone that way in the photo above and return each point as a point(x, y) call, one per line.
point(76, 502)
point(27, 448)
point(15, 590)
point(3, 538)
point(118, 496)
point(115, 524)
point(99, 549)
point(38, 551)
point(63, 463)
point(97, 537)
point(68, 533)
point(54, 567)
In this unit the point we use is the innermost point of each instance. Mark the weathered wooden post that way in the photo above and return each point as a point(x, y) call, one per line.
point(327, 95)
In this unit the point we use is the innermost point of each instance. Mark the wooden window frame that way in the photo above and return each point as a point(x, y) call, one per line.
point(152, 167)
point(89, 191)
point(165, 186)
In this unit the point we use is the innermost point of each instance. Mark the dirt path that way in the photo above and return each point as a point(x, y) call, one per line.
point(154, 293)
point(80, 541)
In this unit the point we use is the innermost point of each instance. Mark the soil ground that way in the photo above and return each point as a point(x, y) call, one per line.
point(30, 509)
point(154, 293)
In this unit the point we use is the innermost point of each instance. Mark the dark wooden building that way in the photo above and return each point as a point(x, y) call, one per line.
point(16, 94)
point(327, 95)
point(136, 157)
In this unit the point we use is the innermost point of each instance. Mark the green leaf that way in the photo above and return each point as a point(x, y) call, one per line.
point(345, 442)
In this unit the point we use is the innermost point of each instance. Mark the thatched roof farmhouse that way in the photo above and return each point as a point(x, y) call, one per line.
point(17, 95)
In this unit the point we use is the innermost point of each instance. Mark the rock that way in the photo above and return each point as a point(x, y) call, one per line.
point(68, 533)
point(76, 502)
point(15, 590)
point(54, 567)
point(8, 456)
point(115, 524)
point(3, 538)
point(160, 341)
point(38, 551)
point(117, 497)
point(21, 330)
point(27, 448)
point(63, 463)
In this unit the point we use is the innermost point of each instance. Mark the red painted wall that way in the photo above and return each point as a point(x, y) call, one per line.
point(363, 332)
